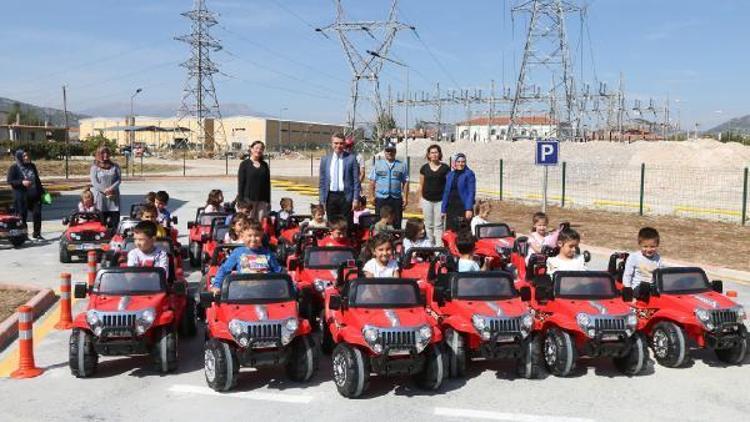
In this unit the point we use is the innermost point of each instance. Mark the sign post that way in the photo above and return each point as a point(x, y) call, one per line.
point(547, 154)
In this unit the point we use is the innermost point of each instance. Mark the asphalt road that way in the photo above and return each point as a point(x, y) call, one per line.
point(126, 389)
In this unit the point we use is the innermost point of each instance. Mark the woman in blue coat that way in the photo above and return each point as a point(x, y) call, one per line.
point(459, 194)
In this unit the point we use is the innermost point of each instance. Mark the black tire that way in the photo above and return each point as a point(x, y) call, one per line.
point(734, 355)
point(306, 309)
point(302, 361)
point(636, 360)
point(351, 370)
point(187, 323)
point(326, 338)
point(164, 352)
point(433, 374)
point(17, 241)
point(456, 353)
point(530, 364)
point(193, 255)
point(559, 352)
point(220, 365)
point(669, 345)
point(282, 252)
point(64, 254)
point(82, 357)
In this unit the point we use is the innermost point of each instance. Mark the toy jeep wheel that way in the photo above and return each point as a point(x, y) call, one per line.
point(433, 374)
point(351, 371)
point(456, 353)
point(82, 357)
point(326, 339)
point(194, 254)
point(164, 352)
point(17, 241)
point(559, 352)
point(668, 343)
point(635, 360)
point(220, 365)
point(187, 323)
point(734, 355)
point(530, 364)
point(302, 362)
point(64, 254)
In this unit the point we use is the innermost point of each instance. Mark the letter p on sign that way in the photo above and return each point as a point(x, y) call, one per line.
point(547, 152)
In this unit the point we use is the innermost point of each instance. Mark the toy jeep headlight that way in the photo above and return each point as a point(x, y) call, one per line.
point(95, 323)
point(144, 322)
point(320, 284)
point(705, 318)
point(239, 333)
point(2, 225)
point(424, 334)
point(288, 329)
point(372, 336)
point(631, 323)
point(741, 314)
point(527, 321)
point(75, 236)
point(586, 323)
point(98, 236)
point(479, 322)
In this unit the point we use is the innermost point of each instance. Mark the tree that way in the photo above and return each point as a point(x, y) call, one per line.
point(26, 117)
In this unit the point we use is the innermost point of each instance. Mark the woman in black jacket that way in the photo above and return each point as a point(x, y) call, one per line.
point(254, 181)
point(27, 190)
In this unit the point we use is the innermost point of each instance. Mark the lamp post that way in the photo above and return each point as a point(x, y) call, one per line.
point(132, 132)
point(281, 113)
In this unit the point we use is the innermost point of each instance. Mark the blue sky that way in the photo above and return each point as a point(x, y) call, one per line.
point(694, 51)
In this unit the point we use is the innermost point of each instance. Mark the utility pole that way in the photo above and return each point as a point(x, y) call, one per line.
point(67, 130)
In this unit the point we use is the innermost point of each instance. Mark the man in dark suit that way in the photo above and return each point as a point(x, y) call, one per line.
point(339, 180)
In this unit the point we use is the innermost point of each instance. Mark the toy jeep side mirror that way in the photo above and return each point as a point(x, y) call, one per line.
point(525, 293)
point(334, 302)
point(66, 221)
point(717, 286)
point(627, 294)
point(80, 290)
point(180, 288)
point(586, 256)
point(544, 290)
point(206, 299)
point(191, 224)
point(642, 292)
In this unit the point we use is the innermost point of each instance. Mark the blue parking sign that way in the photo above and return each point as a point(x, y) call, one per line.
point(547, 152)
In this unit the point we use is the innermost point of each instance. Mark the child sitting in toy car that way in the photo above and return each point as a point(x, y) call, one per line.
point(238, 221)
point(466, 243)
point(164, 216)
point(339, 236)
point(415, 235)
point(568, 259)
point(382, 263)
point(87, 201)
point(640, 266)
point(146, 254)
point(150, 213)
point(251, 258)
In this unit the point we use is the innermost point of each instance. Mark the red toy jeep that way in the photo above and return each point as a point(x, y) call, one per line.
point(254, 322)
point(381, 325)
point(13, 230)
point(86, 231)
point(681, 305)
point(483, 315)
point(214, 238)
point(317, 271)
point(495, 243)
point(131, 311)
point(199, 232)
point(416, 262)
point(582, 313)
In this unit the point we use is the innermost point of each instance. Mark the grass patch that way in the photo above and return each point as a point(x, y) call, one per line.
point(11, 299)
point(49, 168)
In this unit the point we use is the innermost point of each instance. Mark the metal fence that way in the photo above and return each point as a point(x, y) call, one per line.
point(706, 193)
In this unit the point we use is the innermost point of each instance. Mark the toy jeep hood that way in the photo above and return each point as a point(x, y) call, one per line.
point(614, 306)
point(388, 317)
point(116, 303)
point(258, 312)
point(490, 308)
point(690, 301)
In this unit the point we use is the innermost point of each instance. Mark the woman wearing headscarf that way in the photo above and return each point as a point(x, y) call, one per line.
point(459, 194)
point(27, 190)
point(105, 182)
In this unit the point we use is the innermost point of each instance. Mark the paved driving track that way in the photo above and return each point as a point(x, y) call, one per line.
point(126, 389)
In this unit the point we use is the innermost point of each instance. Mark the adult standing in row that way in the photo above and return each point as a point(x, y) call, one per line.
point(254, 181)
point(459, 194)
point(105, 180)
point(23, 177)
point(432, 177)
point(389, 184)
point(339, 183)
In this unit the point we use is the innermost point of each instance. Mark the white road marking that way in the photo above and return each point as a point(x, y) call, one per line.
point(501, 416)
point(249, 395)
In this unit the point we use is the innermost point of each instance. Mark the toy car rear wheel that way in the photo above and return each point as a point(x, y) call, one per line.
point(220, 365)
point(734, 355)
point(635, 361)
point(669, 345)
point(194, 254)
point(559, 352)
point(530, 364)
point(164, 352)
point(17, 241)
point(326, 339)
point(433, 374)
point(64, 254)
point(351, 371)
point(456, 353)
point(82, 357)
point(187, 323)
point(303, 361)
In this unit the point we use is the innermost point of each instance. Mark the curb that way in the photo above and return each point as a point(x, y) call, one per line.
point(41, 302)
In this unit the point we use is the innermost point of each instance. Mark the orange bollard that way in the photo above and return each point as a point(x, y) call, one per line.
point(731, 293)
point(66, 315)
point(26, 366)
point(92, 267)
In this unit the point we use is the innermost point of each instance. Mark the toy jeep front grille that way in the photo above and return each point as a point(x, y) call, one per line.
point(398, 338)
point(264, 331)
point(609, 323)
point(720, 317)
point(118, 320)
point(89, 236)
point(504, 325)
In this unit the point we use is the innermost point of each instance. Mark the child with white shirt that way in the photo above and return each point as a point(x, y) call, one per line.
point(482, 211)
point(215, 201)
point(568, 259)
point(640, 266)
point(382, 263)
point(87, 201)
point(415, 235)
point(146, 254)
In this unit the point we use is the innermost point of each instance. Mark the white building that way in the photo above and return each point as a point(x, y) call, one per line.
point(481, 129)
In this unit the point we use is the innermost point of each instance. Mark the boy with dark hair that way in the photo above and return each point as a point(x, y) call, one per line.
point(640, 265)
point(146, 254)
point(386, 220)
point(339, 236)
point(161, 200)
point(465, 244)
point(251, 258)
point(150, 213)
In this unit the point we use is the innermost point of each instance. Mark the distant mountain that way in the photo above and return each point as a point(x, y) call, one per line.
point(736, 125)
point(55, 117)
point(120, 109)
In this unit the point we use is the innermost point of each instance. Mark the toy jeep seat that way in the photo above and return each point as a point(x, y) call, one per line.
point(425, 253)
point(521, 245)
point(536, 266)
point(493, 230)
